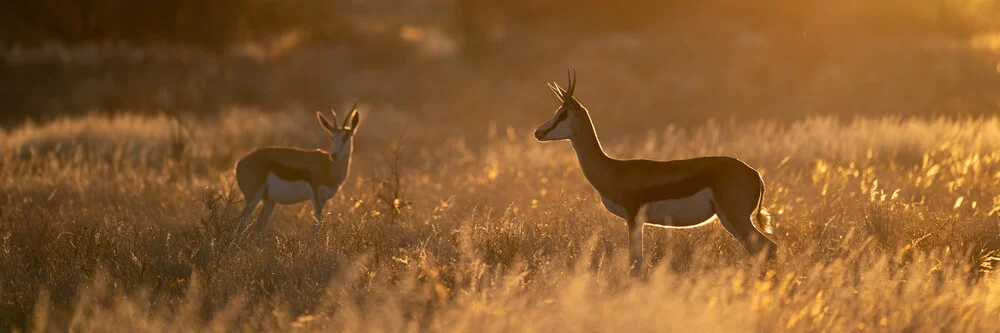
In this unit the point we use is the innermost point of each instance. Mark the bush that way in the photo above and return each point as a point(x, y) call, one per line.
point(210, 24)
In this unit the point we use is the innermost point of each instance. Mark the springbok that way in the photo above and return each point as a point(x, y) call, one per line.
point(672, 194)
point(284, 175)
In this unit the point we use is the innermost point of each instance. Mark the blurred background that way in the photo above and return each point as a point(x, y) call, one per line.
point(457, 65)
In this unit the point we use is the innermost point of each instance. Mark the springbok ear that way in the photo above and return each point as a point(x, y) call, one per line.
point(352, 117)
point(355, 119)
point(326, 124)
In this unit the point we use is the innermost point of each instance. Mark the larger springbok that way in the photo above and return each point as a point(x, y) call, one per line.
point(284, 175)
point(678, 193)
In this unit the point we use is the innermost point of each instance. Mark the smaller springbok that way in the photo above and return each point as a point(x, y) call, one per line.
point(284, 175)
point(672, 194)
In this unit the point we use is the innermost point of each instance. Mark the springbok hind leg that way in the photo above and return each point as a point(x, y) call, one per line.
point(265, 215)
point(251, 204)
point(740, 224)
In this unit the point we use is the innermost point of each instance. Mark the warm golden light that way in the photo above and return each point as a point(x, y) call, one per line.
point(861, 137)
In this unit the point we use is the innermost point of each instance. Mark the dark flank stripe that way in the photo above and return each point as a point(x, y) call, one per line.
point(289, 173)
point(681, 188)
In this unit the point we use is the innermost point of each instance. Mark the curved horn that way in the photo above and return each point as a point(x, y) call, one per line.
point(334, 114)
point(556, 89)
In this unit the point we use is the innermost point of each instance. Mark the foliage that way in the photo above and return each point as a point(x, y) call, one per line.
point(218, 24)
point(213, 24)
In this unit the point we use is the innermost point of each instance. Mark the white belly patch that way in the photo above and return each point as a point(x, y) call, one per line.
point(691, 211)
point(289, 192)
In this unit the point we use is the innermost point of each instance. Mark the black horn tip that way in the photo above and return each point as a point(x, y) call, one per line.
point(571, 76)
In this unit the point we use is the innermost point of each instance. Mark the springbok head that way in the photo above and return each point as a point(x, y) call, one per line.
point(569, 115)
point(342, 137)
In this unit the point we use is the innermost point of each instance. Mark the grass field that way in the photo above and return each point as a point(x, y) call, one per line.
point(123, 223)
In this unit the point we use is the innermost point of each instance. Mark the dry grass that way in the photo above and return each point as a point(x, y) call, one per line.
point(123, 224)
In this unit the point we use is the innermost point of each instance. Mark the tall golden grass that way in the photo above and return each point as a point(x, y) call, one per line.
point(123, 224)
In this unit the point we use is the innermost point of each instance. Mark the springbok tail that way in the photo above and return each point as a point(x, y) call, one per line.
point(763, 217)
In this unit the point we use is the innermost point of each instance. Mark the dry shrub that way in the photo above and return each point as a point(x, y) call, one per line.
point(890, 227)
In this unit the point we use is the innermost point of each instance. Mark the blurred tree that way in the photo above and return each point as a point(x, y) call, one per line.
point(211, 24)
point(220, 23)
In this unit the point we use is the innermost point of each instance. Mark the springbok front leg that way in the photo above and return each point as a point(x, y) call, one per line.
point(317, 209)
point(634, 242)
